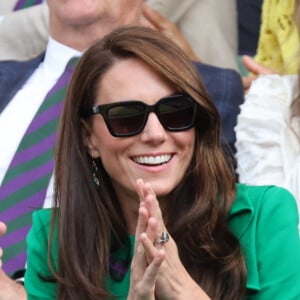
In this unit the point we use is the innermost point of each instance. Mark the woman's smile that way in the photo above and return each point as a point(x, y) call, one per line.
point(152, 160)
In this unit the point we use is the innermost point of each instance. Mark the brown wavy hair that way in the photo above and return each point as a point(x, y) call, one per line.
point(88, 217)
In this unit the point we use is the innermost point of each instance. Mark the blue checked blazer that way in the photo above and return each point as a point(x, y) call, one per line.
point(223, 85)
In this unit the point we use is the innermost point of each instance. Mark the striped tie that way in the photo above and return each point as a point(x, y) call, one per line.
point(20, 4)
point(25, 184)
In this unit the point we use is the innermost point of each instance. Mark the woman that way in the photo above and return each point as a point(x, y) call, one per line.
point(268, 131)
point(146, 205)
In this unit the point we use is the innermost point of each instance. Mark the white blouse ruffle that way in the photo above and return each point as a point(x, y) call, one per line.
point(268, 150)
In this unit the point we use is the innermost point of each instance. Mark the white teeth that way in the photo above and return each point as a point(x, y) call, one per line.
point(153, 160)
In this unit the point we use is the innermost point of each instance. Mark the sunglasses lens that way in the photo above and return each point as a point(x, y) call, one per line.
point(126, 119)
point(177, 112)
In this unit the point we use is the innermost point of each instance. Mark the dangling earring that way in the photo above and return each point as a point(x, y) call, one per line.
point(94, 172)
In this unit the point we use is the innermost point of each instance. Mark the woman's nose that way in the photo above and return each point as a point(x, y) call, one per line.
point(153, 131)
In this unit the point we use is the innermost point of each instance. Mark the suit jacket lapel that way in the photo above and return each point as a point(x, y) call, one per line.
point(13, 74)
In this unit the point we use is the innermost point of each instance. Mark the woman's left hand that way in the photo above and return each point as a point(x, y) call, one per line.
point(255, 69)
point(173, 280)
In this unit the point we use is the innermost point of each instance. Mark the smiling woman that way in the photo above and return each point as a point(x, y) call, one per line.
point(143, 188)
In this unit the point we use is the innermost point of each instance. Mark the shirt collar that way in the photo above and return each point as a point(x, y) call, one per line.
point(57, 56)
point(240, 222)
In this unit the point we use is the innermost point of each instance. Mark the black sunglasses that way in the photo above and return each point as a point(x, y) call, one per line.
point(128, 118)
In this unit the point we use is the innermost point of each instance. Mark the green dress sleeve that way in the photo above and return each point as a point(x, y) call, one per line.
point(37, 277)
point(276, 246)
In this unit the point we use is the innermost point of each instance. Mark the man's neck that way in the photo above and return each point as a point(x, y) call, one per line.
point(79, 39)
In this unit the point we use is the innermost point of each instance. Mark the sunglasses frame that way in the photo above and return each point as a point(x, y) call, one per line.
point(104, 108)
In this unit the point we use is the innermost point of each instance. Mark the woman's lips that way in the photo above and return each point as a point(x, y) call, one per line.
point(152, 160)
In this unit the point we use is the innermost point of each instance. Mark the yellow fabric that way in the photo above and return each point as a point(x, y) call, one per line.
point(278, 44)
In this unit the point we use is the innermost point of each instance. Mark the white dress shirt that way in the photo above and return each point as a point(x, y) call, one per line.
point(268, 140)
point(16, 117)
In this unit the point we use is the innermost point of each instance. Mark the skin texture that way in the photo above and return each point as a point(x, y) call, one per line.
point(79, 23)
point(156, 270)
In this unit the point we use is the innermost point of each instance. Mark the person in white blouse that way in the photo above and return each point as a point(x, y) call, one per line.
point(268, 129)
point(268, 135)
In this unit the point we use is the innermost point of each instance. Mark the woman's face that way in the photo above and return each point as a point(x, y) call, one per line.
point(156, 155)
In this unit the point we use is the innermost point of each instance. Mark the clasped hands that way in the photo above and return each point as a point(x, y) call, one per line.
point(156, 269)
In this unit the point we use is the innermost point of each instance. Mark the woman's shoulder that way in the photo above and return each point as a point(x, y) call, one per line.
point(264, 208)
point(41, 219)
point(263, 202)
point(40, 230)
point(259, 195)
point(44, 213)
point(265, 220)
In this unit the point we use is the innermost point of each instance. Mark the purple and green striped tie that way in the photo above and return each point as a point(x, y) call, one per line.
point(25, 184)
point(20, 4)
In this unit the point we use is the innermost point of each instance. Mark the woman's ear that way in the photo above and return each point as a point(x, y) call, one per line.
point(88, 140)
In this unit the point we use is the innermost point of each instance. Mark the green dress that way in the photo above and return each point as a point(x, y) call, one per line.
point(264, 219)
